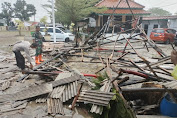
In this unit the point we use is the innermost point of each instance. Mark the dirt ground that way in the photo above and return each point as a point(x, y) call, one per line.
point(9, 71)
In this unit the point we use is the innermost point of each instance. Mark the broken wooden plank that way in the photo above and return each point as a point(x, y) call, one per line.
point(58, 55)
point(160, 62)
point(134, 90)
point(76, 97)
point(41, 72)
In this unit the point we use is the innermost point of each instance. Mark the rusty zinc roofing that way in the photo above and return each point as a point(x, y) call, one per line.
point(123, 4)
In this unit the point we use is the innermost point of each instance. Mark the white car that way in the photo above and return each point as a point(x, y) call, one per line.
point(60, 34)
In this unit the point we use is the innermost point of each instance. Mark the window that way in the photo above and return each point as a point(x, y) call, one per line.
point(128, 18)
point(173, 31)
point(58, 31)
point(146, 27)
point(155, 26)
point(118, 18)
point(50, 30)
point(42, 29)
point(169, 31)
point(158, 30)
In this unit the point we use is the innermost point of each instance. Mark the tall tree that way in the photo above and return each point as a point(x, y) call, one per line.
point(74, 10)
point(48, 8)
point(159, 12)
point(7, 12)
point(24, 11)
point(20, 26)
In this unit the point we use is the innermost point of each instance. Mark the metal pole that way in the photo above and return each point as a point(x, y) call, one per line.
point(53, 17)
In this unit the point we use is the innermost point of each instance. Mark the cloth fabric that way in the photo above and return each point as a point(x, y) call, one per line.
point(23, 46)
point(38, 42)
point(20, 60)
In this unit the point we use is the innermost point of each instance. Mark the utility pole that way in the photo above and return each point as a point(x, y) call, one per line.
point(53, 18)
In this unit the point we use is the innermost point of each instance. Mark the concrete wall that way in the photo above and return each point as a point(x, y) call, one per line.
point(151, 23)
point(3, 22)
point(2, 28)
point(31, 28)
point(173, 24)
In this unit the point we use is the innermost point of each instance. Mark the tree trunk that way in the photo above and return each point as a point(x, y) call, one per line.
point(20, 31)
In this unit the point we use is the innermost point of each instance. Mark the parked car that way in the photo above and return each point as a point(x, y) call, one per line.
point(163, 35)
point(60, 34)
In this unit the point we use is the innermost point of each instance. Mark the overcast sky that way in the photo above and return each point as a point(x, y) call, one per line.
point(169, 5)
point(37, 3)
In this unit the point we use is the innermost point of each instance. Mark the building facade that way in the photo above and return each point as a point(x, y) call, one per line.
point(149, 23)
point(122, 16)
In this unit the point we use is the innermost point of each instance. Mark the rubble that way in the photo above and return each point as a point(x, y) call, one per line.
point(118, 73)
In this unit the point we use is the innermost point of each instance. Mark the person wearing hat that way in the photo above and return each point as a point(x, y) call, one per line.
point(38, 44)
point(17, 48)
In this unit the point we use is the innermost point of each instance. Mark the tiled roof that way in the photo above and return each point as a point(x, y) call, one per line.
point(125, 12)
point(159, 17)
point(123, 4)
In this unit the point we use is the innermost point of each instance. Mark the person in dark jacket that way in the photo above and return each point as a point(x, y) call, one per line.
point(17, 48)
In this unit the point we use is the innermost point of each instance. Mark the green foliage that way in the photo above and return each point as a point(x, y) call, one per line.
point(71, 11)
point(97, 81)
point(20, 25)
point(7, 12)
point(48, 8)
point(24, 11)
point(159, 12)
point(44, 20)
point(117, 109)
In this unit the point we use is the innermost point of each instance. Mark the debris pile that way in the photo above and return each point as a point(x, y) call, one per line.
point(120, 78)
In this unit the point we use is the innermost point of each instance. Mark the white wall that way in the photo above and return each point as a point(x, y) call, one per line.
point(173, 24)
point(3, 21)
point(150, 25)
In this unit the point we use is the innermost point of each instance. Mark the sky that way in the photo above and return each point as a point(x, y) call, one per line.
point(37, 3)
point(169, 5)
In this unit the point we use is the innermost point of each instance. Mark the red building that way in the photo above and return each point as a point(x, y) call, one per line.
point(122, 14)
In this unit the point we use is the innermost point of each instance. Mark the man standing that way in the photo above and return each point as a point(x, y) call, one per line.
point(17, 48)
point(37, 41)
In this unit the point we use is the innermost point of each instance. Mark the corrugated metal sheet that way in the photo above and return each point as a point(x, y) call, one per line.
point(66, 80)
point(95, 97)
point(62, 93)
point(65, 92)
point(55, 106)
point(59, 95)
point(105, 88)
point(41, 100)
point(172, 84)
point(27, 93)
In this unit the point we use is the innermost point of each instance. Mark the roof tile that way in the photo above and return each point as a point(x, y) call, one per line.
point(125, 11)
point(123, 4)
